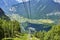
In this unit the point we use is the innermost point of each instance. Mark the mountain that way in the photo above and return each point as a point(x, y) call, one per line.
point(2, 15)
point(35, 9)
point(40, 24)
point(22, 19)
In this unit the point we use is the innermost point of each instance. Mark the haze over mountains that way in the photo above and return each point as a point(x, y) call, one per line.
point(35, 9)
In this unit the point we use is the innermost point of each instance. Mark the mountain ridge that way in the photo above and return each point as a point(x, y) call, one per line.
point(3, 16)
point(39, 10)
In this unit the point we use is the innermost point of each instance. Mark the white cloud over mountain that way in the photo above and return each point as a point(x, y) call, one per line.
point(57, 1)
point(22, 0)
point(54, 13)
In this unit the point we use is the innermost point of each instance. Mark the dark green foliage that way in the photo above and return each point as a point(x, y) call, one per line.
point(52, 34)
point(1, 33)
point(2, 15)
point(8, 28)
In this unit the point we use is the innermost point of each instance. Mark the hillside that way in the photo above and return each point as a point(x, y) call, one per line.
point(2, 15)
point(42, 9)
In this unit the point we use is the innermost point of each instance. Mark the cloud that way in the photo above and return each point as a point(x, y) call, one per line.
point(57, 1)
point(12, 9)
point(54, 13)
point(22, 1)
